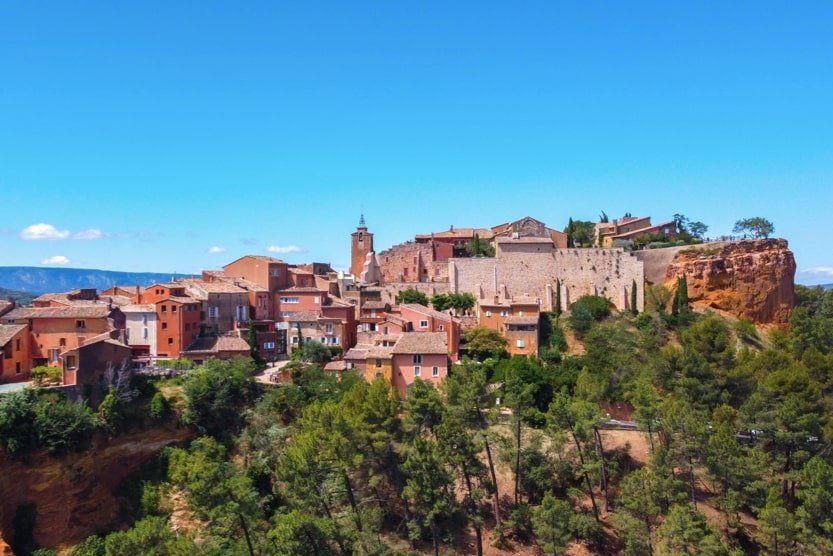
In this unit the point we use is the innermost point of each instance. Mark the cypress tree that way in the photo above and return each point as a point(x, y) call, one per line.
point(634, 310)
point(252, 339)
point(558, 297)
point(675, 303)
point(682, 292)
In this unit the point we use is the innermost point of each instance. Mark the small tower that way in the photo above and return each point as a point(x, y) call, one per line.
point(362, 244)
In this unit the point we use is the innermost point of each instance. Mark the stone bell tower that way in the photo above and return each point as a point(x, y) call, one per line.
point(362, 244)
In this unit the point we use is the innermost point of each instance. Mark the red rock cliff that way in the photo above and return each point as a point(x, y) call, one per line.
point(751, 279)
point(74, 493)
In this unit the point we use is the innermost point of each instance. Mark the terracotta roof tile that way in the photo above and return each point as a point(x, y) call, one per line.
point(428, 343)
point(521, 320)
point(9, 331)
point(73, 311)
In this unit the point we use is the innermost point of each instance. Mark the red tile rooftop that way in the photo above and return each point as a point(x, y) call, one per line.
point(427, 343)
point(69, 312)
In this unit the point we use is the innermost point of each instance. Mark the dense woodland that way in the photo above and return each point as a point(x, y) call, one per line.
point(510, 454)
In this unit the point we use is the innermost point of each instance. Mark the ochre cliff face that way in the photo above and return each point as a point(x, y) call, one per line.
point(74, 493)
point(751, 279)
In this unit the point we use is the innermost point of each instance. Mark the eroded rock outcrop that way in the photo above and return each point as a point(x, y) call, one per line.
point(73, 494)
point(753, 279)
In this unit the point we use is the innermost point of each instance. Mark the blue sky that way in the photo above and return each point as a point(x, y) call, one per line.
point(143, 134)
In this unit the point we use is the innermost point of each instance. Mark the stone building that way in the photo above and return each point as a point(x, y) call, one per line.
point(532, 267)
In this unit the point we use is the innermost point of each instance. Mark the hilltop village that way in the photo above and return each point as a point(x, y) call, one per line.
point(401, 313)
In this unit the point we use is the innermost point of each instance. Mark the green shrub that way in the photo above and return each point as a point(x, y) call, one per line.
point(43, 374)
point(598, 306)
point(30, 420)
point(91, 546)
point(110, 411)
point(746, 332)
point(644, 321)
point(158, 407)
point(151, 498)
point(61, 425)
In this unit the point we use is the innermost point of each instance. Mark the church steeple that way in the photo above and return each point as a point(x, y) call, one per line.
point(361, 245)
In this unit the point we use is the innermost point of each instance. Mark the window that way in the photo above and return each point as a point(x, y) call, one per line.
point(329, 328)
point(173, 308)
point(295, 340)
point(317, 299)
point(290, 300)
point(417, 370)
point(53, 355)
point(164, 326)
point(268, 345)
point(488, 313)
point(70, 361)
point(441, 328)
point(80, 324)
point(145, 333)
point(274, 272)
point(417, 359)
point(520, 313)
point(17, 369)
point(521, 343)
point(213, 312)
point(164, 308)
point(170, 341)
point(351, 366)
point(17, 345)
point(378, 363)
point(435, 371)
point(504, 313)
point(387, 330)
point(423, 324)
point(62, 342)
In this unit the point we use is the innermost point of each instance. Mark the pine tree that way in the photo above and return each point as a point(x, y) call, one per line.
point(634, 309)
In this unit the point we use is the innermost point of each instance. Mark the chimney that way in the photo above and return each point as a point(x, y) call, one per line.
point(138, 295)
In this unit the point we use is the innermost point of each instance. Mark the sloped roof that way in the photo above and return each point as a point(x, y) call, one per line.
point(264, 258)
point(422, 309)
point(217, 344)
point(427, 343)
point(214, 287)
point(9, 331)
point(522, 320)
point(303, 316)
point(72, 311)
point(138, 308)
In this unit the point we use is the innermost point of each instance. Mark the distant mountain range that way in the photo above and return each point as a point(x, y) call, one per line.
point(22, 298)
point(37, 280)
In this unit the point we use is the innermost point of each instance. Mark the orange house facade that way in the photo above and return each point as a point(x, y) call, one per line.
point(15, 362)
point(54, 330)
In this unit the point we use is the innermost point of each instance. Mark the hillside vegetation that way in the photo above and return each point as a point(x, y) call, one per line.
point(22, 298)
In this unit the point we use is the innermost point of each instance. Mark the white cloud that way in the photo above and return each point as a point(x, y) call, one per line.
point(216, 249)
point(57, 259)
point(284, 249)
point(43, 231)
point(819, 271)
point(92, 233)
